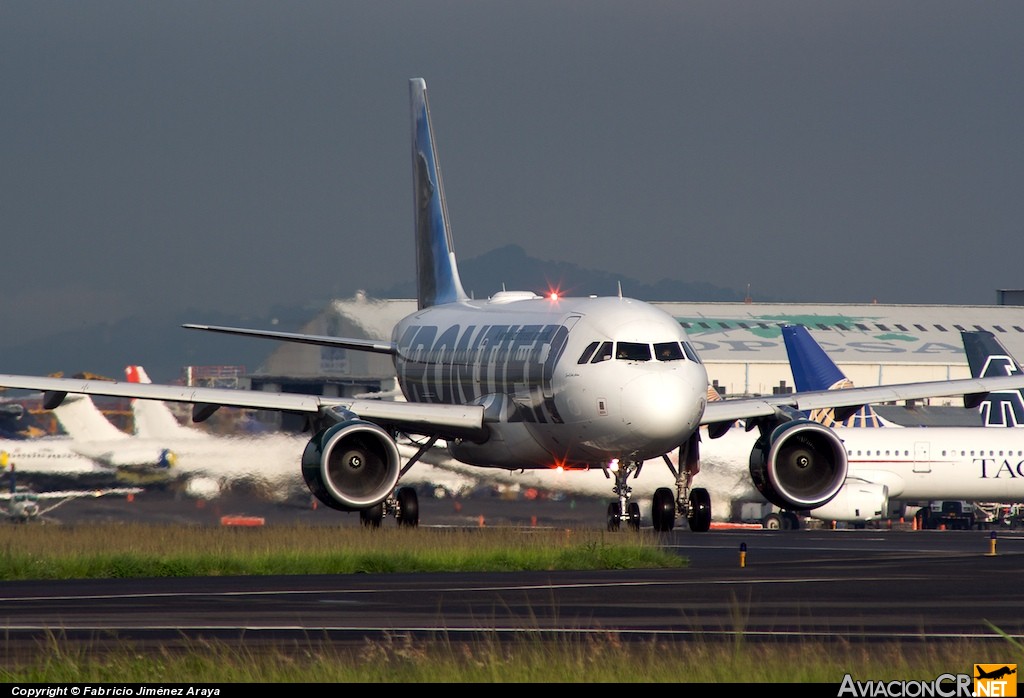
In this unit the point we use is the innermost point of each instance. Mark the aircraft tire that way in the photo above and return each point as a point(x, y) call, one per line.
point(614, 516)
point(408, 507)
point(633, 511)
point(700, 510)
point(372, 517)
point(663, 510)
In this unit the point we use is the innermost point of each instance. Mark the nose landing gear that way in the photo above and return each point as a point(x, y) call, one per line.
point(624, 510)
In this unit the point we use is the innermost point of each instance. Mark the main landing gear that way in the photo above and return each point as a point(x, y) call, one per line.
point(403, 504)
point(692, 503)
point(696, 507)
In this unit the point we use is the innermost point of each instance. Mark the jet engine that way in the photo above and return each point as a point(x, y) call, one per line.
point(798, 464)
point(858, 502)
point(351, 465)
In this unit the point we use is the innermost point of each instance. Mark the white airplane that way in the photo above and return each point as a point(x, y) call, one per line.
point(23, 505)
point(524, 381)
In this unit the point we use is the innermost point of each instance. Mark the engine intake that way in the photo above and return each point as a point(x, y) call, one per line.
point(351, 465)
point(799, 465)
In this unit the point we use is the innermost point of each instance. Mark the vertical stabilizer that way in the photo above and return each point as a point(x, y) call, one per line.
point(153, 418)
point(814, 370)
point(437, 276)
point(988, 358)
point(82, 420)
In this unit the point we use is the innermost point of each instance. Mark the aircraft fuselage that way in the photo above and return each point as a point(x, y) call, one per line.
point(563, 381)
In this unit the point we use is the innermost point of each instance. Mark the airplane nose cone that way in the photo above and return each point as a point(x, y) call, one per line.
point(662, 408)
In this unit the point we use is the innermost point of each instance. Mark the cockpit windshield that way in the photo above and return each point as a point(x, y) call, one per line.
point(596, 352)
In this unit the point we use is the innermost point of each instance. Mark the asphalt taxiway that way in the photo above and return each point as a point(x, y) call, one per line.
point(850, 585)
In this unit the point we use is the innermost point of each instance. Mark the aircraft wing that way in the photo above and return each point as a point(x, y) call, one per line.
point(408, 416)
point(372, 345)
point(77, 494)
point(60, 498)
point(972, 389)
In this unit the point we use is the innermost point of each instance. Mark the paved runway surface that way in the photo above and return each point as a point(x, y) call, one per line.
point(863, 585)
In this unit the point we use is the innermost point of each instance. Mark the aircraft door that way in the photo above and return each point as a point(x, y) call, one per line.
point(922, 457)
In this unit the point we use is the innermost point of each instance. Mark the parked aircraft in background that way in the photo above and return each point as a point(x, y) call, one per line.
point(911, 465)
point(21, 505)
point(93, 436)
point(206, 463)
point(524, 381)
point(52, 461)
point(239, 456)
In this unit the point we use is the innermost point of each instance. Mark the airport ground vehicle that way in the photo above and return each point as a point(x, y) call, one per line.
point(997, 515)
point(768, 515)
point(957, 515)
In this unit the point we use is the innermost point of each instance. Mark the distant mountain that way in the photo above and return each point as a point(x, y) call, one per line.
point(510, 266)
point(156, 341)
point(159, 343)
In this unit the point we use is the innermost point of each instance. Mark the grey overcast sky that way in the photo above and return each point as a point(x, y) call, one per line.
point(239, 155)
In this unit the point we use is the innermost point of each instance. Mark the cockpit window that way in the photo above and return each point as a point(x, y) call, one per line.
point(668, 351)
point(587, 353)
point(603, 354)
point(632, 351)
point(691, 353)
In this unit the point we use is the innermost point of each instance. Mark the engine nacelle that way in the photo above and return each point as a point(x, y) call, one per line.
point(800, 465)
point(351, 465)
point(857, 502)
